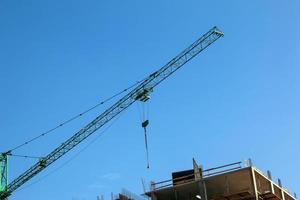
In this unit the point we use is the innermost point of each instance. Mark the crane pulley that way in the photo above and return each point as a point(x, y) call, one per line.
point(140, 92)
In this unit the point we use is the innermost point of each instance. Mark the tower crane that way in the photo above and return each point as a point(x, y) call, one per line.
point(139, 93)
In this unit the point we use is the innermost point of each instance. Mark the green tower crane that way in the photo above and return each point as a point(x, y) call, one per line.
point(139, 93)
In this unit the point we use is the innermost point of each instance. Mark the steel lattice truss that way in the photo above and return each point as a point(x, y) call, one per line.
point(138, 93)
point(3, 172)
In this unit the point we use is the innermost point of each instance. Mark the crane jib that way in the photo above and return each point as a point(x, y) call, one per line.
point(140, 92)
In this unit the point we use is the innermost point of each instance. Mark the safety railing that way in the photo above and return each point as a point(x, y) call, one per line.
point(191, 177)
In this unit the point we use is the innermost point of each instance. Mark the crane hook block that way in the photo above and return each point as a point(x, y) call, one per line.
point(145, 123)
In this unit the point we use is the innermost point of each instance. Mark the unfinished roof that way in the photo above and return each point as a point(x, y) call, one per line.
point(228, 182)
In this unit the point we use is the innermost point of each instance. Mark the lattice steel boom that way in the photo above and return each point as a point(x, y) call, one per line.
point(138, 93)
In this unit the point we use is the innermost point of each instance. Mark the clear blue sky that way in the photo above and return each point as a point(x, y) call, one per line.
point(238, 99)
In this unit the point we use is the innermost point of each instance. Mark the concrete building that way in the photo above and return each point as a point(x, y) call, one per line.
point(228, 182)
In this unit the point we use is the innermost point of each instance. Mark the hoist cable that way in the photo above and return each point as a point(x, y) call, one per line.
point(73, 118)
point(144, 115)
point(140, 111)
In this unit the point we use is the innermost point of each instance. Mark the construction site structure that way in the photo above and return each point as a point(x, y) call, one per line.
point(228, 182)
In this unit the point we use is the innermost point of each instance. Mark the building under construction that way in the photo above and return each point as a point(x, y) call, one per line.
point(228, 182)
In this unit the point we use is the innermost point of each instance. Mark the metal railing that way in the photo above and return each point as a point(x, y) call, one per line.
point(191, 177)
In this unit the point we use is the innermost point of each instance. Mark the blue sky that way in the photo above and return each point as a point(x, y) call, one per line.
point(238, 99)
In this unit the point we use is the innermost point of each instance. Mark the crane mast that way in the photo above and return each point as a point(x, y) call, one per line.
point(140, 92)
